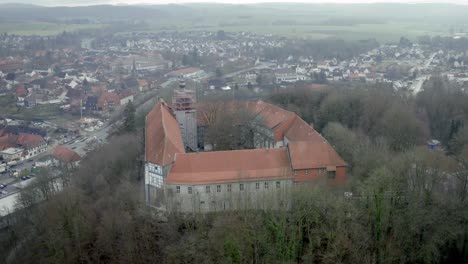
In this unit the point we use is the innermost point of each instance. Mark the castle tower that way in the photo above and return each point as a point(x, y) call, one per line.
point(183, 103)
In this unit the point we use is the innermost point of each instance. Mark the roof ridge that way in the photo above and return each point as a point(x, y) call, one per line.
point(294, 117)
point(165, 132)
point(236, 150)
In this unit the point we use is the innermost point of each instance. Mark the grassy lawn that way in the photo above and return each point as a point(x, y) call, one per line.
point(53, 113)
point(44, 112)
point(7, 106)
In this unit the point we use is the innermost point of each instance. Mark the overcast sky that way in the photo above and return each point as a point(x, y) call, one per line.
point(89, 2)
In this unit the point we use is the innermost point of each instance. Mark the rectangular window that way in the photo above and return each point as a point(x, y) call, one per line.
point(322, 170)
point(306, 172)
point(278, 185)
point(208, 190)
point(241, 187)
point(156, 180)
point(189, 190)
point(218, 188)
point(229, 188)
point(257, 186)
point(295, 172)
point(177, 189)
point(266, 185)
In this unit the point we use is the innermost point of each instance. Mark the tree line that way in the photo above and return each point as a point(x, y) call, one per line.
point(408, 203)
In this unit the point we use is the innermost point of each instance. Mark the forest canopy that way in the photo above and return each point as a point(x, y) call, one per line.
point(408, 203)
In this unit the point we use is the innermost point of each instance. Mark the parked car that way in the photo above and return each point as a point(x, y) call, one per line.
point(23, 178)
point(3, 186)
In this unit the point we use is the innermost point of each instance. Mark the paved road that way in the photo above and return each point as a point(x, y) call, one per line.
point(429, 61)
point(79, 145)
point(7, 204)
point(417, 85)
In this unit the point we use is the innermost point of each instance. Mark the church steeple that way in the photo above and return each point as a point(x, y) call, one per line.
point(134, 67)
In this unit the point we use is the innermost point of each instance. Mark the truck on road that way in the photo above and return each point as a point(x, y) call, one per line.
point(12, 163)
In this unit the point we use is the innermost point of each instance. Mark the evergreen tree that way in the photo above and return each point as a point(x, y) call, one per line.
point(219, 72)
point(259, 79)
point(129, 122)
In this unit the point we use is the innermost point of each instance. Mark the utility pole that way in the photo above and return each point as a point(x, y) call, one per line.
point(81, 109)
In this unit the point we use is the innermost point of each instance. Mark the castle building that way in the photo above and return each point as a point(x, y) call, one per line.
point(288, 152)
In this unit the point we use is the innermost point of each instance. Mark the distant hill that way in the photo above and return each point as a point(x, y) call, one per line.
point(384, 21)
point(18, 5)
point(18, 12)
point(407, 12)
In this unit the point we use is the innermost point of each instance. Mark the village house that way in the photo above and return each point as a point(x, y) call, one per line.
point(10, 65)
point(65, 157)
point(108, 101)
point(32, 145)
point(286, 75)
point(10, 154)
point(126, 96)
point(143, 85)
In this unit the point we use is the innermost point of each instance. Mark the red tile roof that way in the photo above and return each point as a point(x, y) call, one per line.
point(108, 98)
point(272, 115)
point(301, 131)
point(230, 166)
point(125, 93)
point(29, 141)
point(354, 76)
point(99, 89)
point(7, 141)
point(307, 149)
point(316, 86)
point(143, 83)
point(21, 91)
point(163, 137)
point(26, 141)
point(65, 155)
point(313, 154)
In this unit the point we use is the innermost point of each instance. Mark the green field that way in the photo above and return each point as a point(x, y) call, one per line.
point(380, 31)
point(309, 30)
point(42, 28)
point(384, 22)
point(350, 22)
